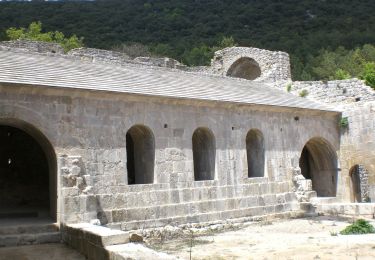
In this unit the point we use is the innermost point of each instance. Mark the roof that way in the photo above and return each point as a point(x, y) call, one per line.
point(62, 72)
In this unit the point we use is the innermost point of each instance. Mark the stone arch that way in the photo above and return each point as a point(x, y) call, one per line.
point(246, 68)
point(140, 150)
point(255, 153)
point(359, 189)
point(318, 162)
point(28, 162)
point(204, 154)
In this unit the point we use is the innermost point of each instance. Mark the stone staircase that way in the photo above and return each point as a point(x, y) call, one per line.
point(203, 204)
point(18, 233)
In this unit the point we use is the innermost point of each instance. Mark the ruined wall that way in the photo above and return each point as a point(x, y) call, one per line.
point(337, 92)
point(358, 145)
point(357, 101)
point(33, 46)
point(88, 131)
point(274, 65)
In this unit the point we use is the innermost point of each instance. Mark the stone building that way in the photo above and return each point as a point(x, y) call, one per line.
point(148, 142)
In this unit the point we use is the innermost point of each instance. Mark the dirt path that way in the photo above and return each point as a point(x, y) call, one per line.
point(287, 239)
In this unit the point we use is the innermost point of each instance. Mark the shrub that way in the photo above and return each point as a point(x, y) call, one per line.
point(342, 74)
point(344, 122)
point(289, 87)
point(34, 33)
point(369, 74)
point(303, 93)
point(360, 226)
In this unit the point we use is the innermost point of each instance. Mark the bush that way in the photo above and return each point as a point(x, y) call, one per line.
point(303, 93)
point(360, 226)
point(369, 74)
point(34, 33)
point(344, 122)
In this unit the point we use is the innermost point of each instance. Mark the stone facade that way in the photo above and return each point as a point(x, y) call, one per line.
point(88, 129)
point(91, 135)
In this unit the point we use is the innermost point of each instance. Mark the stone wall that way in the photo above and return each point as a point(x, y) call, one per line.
point(274, 65)
point(88, 132)
point(338, 92)
point(358, 144)
point(33, 46)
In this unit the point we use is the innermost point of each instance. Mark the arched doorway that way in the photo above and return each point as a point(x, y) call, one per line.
point(246, 68)
point(318, 162)
point(140, 150)
point(255, 153)
point(359, 183)
point(204, 153)
point(28, 185)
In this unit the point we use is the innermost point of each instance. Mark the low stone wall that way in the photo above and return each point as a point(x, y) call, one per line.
point(33, 46)
point(340, 92)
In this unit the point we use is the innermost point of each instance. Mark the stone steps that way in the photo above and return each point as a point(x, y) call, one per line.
point(150, 221)
point(28, 234)
point(29, 239)
point(153, 210)
point(131, 200)
point(92, 240)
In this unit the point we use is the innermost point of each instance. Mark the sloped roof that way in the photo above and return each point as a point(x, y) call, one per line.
point(58, 71)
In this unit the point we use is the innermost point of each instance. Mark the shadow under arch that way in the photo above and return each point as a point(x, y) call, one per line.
point(246, 68)
point(318, 162)
point(204, 154)
point(255, 153)
point(140, 151)
point(18, 135)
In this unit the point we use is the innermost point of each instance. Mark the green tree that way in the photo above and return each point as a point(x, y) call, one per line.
point(34, 33)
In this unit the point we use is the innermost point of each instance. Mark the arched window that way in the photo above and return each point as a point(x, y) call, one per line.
point(246, 68)
point(255, 153)
point(204, 153)
point(140, 150)
point(318, 162)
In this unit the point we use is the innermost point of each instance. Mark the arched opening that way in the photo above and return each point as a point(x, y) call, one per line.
point(140, 150)
point(318, 162)
point(28, 185)
point(246, 68)
point(204, 153)
point(359, 184)
point(255, 153)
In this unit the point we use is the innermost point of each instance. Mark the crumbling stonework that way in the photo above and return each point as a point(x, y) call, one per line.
point(274, 66)
point(337, 92)
point(33, 46)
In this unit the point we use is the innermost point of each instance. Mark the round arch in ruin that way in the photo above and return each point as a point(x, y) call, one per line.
point(246, 68)
point(318, 162)
point(28, 171)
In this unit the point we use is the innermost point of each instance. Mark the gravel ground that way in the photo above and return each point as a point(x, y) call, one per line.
point(313, 238)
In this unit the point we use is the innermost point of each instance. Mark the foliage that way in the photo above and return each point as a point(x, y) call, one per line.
point(181, 29)
point(342, 74)
point(368, 74)
point(34, 32)
point(289, 87)
point(360, 226)
point(344, 122)
point(303, 93)
point(344, 64)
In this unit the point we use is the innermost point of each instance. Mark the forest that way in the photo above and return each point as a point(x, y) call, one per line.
point(325, 39)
